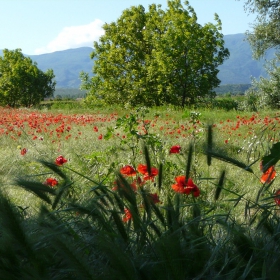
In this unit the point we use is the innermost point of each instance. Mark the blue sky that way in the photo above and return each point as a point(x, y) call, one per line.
point(43, 26)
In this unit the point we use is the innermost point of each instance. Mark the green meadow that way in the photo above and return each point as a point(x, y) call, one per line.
point(158, 193)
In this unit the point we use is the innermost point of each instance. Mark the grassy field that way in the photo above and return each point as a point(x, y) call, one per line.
point(117, 208)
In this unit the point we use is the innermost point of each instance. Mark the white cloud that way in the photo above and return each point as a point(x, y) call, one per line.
point(74, 37)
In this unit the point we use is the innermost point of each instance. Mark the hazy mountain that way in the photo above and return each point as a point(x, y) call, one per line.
point(66, 65)
point(238, 69)
point(241, 66)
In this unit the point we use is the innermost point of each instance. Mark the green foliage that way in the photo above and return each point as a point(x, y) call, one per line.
point(77, 229)
point(263, 37)
point(265, 33)
point(135, 137)
point(21, 82)
point(232, 89)
point(69, 93)
point(224, 103)
point(251, 101)
point(264, 92)
point(86, 237)
point(154, 58)
point(272, 158)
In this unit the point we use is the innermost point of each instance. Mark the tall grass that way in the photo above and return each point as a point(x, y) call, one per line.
point(101, 223)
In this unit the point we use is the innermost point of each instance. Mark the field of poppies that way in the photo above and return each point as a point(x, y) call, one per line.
point(139, 194)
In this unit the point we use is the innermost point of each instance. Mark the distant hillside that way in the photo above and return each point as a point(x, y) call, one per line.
point(66, 65)
point(238, 69)
point(240, 66)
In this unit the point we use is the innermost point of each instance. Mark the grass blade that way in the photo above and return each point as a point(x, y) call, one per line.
point(120, 226)
point(220, 185)
point(209, 144)
point(160, 172)
point(52, 166)
point(40, 190)
point(189, 162)
point(230, 160)
point(147, 159)
point(60, 193)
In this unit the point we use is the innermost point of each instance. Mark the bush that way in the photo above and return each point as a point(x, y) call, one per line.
point(223, 103)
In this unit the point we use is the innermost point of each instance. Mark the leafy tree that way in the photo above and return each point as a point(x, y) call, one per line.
point(265, 35)
point(21, 82)
point(156, 57)
point(266, 92)
point(266, 30)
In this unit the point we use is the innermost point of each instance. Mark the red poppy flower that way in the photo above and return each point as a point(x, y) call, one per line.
point(143, 169)
point(128, 170)
point(154, 198)
point(127, 216)
point(277, 197)
point(268, 175)
point(60, 160)
point(139, 181)
point(23, 151)
point(175, 149)
point(51, 182)
point(185, 187)
point(154, 172)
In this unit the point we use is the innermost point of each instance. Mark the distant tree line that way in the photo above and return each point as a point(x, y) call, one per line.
point(233, 89)
point(69, 93)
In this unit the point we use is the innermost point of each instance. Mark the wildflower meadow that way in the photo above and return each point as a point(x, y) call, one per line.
point(139, 194)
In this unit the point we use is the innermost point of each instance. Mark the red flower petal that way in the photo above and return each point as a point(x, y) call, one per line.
point(181, 180)
point(142, 169)
point(60, 160)
point(178, 188)
point(154, 198)
point(175, 149)
point(128, 170)
point(269, 175)
point(277, 197)
point(185, 187)
point(51, 182)
point(127, 214)
point(23, 151)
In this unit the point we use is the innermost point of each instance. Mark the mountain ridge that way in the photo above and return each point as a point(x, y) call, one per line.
point(237, 69)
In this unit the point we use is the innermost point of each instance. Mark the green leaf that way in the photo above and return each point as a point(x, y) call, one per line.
point(109, 133)
point(56, 169)
point(40, 190)
point(230, 160)
point(272, 158)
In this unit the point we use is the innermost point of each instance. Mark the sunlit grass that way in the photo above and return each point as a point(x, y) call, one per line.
point(80, 226)
point(80, 138)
